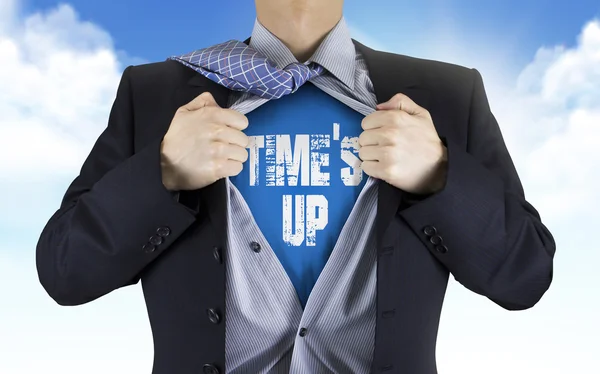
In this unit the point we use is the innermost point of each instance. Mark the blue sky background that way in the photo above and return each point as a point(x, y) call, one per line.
point(540, 60)
point(153, 29)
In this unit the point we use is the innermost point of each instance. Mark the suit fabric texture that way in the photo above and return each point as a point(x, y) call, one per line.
point(117, 224)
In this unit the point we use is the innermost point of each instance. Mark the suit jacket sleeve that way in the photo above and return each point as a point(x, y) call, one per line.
point(496, 243)
point(96, 241)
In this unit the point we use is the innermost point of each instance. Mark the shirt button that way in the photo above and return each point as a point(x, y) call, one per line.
point(255, 247)
point(302, 332)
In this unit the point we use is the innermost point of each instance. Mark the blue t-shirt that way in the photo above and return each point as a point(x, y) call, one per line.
point(302, 178)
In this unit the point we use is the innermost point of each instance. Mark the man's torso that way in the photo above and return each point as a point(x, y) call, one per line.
point(186, 286)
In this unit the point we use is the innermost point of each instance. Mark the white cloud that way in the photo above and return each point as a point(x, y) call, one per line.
point(58, 80)
point(58, 77)
point(552, 123)
point(550, 119)
point(8, 9)
point(575, 75)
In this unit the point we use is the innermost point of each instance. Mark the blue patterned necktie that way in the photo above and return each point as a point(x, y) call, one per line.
point(238, 67)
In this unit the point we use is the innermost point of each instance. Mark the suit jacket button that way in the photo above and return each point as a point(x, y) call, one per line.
point(210, 369)
point(435, 240)
point(163, 231)
point(441, 248)
point(213, 316)
point(149, 247)
point(429, 230)
point(155, 240)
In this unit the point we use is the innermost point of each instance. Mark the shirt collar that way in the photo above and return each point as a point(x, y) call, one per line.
point(336, 53)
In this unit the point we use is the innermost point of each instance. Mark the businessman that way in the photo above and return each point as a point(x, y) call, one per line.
point(296, 202)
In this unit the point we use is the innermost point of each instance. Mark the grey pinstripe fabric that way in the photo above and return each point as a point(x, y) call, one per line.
point(348, 79)
point(264, 314)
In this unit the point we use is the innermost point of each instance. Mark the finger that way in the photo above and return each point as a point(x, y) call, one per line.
point(235, 153)
point(370, 153)
point(226, 134)
point(402, 102)
point(200, 101)
point(231, 118)
point(380, 136)
point(369, 137)
point(375, 120)
point(372, 169)
point(230, 168)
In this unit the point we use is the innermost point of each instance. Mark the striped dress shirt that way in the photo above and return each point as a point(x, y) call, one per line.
point(266, 329)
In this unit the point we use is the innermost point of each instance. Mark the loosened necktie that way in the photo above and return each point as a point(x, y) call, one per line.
point(237, 66)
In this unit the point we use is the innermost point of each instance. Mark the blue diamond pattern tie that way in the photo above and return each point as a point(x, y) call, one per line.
point(238, 67)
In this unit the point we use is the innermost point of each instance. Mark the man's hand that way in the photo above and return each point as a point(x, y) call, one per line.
point(400, 145)
point(204, 143)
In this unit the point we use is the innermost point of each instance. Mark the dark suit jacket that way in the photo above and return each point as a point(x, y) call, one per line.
point(117, 223)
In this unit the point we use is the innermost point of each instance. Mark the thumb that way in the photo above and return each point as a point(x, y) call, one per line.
point(200, 101)
point(401, 102)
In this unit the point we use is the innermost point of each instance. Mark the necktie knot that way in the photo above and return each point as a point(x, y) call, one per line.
point(302, 73)
point(239, 67)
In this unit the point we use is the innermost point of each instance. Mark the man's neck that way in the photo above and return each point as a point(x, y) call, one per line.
point(300, 25)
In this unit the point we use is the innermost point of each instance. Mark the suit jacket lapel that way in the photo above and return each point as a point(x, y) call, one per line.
point(389, 77)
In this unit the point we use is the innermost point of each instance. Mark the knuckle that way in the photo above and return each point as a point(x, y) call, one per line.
point(208, 111)
point(392, 134)
point(211, 131)
point(216, 131)
point(393, 117)
point(205, 95)
point(384, 154)
point(215, 150)
point(400, 116)
point(219, 149)
point(390, 155)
